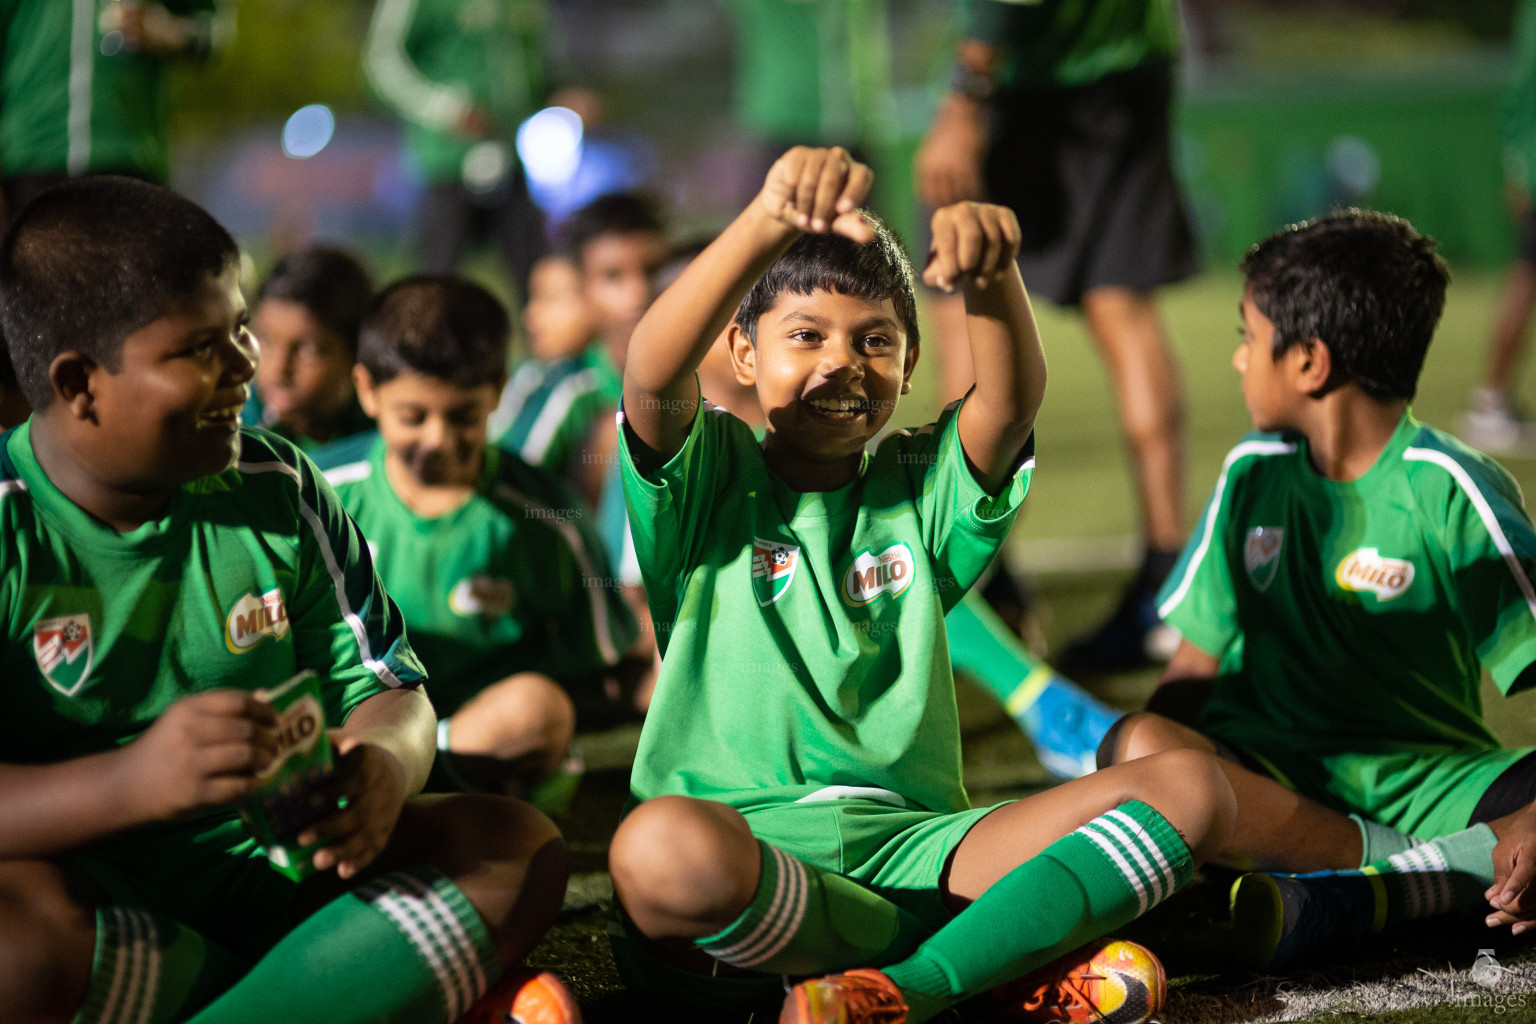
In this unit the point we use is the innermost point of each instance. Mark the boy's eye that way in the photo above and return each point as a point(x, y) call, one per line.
point(807, 336)
point(412, 418)
point(876, 341)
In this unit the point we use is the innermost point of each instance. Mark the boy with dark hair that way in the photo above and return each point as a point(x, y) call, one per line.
point(495, 565)
point(1354, 573)
point(140, 525)
point(802, 809)
point(308, 311)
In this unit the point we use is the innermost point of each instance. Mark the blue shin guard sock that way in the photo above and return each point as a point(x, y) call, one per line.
point(149, 970)
point(405, 947)
point(804, 920)
point(1063, 721)
point(1081, 887)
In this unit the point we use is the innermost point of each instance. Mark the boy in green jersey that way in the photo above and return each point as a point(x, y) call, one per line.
point(307, 315)
point(158, 564)
point(494, 563)
point(1353, 575)
point(799, 774)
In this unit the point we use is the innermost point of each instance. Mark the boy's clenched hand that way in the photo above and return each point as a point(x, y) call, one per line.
point(818, 190)
point(367, 789)
point(204, 751)
point(973, 243)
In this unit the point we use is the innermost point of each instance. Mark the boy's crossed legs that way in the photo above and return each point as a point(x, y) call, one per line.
point(1027, 883)
point(1362, 874)
point(466, 886)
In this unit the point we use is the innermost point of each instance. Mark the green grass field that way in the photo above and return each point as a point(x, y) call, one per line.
point(1082, 494)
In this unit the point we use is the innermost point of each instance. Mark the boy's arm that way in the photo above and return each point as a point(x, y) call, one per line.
point(203, 752)
point(384, 752)
point(806, 190)
point(974, 245)
point(1190, 662)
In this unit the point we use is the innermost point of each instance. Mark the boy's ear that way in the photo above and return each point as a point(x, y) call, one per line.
point(743, 355)
point(70, 374)
point(367, 395)
point(1313, 367)
point(913, 350)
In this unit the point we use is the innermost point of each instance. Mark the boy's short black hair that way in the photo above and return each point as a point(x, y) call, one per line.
point(329, 282)
point(619, 213)
point(91, 261)
point(1366, 284)
point(438, 325)
point(871, 271)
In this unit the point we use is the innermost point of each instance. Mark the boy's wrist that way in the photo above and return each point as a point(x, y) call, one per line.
point(768, 228)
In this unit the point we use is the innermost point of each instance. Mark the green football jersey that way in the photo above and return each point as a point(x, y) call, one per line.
point(514, 580)
point(802, 634)
point(1075, 42)
point(1358, 616)
point(549, 408)
point(251, 575)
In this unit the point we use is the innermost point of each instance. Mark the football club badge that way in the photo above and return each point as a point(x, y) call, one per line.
point(64, 651)
point(1261, 554)
point(773, 569)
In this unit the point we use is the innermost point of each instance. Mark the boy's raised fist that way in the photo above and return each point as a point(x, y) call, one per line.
point(972, 242)
point(819, 190)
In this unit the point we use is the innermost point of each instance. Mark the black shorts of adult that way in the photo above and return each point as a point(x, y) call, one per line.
point(1088, 173)
point(451, 217)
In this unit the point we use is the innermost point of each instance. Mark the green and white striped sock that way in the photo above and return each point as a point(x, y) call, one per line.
point(149, 970)
point(1083, 886)
point(407, 946)
point(804, 920)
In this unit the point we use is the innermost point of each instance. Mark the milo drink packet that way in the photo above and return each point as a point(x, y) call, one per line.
point(281, 808)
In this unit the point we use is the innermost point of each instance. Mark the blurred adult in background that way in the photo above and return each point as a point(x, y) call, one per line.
point(83, 86)
point(1060, 110)
point(462, 75)
point(1494, 422)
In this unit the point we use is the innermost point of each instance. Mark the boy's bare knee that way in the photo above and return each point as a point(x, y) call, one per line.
point(1143, 734)
point(523, 713)
point(47, 940)
point(1193, 793)
point(683, 866)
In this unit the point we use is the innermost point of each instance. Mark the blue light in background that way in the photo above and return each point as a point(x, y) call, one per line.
point(549, 144)
point(308, 131)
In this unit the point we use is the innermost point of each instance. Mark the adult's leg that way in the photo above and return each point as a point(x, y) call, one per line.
point(1276, 829)
point(445, 218)
point(1149, 394)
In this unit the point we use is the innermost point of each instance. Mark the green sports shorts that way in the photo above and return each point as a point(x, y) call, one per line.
point(893, 851)
point(209, 875)
point(1424, 795)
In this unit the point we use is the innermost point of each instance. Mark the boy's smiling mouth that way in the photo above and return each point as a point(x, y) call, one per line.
point(838, 408)
point(221, 417)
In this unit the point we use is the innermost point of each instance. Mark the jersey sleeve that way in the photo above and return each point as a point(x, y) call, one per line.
point(963, 526)
point(671, 508)
point(344, 623)
point(1198, 598)
point(1491, 549)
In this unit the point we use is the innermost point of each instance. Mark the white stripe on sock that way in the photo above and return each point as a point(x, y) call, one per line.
point(1149, 845)
point(464, 943)
point(729, 953)
point(151, 971)
point(799, 894)
point(786, 897)
point(135, 965)
point(442, 942)
point(1127, 844)
point(382, 899)
point(119, 967)
point(1129, 873)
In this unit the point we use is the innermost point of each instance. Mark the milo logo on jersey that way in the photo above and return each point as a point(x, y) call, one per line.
point(870, 575)
point(481, 595)
point(773, 568)
point(253, 618)
point(1365, 570)
point(64, 652)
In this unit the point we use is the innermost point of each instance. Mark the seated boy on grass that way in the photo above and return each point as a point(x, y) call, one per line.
point(801, 807)
point(1354, 573)
point(306, 319)
point(139, 525)
point(493, 562)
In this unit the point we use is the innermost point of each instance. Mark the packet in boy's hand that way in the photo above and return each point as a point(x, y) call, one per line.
point(283, 806)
